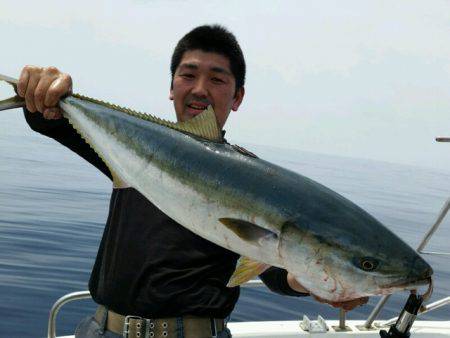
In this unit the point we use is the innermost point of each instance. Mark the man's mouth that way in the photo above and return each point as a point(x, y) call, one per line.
point(199, 107)
point(195, 108)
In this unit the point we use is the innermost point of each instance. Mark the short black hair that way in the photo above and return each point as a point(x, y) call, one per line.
point(216, 39)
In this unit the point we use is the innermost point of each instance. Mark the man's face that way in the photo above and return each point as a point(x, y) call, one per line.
point(202, 79)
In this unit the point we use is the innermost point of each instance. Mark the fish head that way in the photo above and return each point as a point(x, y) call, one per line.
point(340, 265)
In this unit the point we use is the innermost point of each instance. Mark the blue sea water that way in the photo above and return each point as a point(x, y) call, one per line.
point(53, 207)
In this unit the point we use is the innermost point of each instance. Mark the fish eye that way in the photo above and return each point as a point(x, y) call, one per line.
point(368, 263)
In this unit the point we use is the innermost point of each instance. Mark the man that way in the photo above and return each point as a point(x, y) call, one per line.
point(148, 265)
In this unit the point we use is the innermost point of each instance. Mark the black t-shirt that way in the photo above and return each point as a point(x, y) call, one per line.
point(148, 264)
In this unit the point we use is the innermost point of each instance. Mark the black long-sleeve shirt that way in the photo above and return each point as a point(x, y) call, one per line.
point(148, 264)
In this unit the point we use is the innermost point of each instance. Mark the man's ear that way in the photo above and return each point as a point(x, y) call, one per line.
point(238, 99)
point(171, 90)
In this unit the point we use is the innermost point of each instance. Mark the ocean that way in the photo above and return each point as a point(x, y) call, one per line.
point(53, 207)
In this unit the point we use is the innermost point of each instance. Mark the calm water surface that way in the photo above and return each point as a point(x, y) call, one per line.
point(53, 207)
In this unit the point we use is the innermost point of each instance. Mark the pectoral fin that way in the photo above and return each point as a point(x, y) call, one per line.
point(247, 231)
point(246, 269)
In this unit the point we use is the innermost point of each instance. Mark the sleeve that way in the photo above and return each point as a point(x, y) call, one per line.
point(61, 131)
point(276, 280)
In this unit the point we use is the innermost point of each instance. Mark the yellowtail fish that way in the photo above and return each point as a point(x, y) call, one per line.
point(269, 215)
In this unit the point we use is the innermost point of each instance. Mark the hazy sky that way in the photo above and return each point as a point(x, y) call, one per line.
point(367, 79)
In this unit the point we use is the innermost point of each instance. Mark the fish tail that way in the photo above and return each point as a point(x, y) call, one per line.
point(12, 102)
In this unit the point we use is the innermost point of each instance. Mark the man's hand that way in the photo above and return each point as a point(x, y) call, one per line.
point(347, 306)
point(42, 89)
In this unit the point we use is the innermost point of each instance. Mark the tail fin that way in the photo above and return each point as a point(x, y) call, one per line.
point(12, 102)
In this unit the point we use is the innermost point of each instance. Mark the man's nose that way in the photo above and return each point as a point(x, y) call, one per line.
point(200, 88)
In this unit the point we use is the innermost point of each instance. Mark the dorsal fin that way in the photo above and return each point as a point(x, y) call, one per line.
point(203, 125)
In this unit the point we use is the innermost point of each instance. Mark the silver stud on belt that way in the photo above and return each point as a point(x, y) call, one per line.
point(164, 325)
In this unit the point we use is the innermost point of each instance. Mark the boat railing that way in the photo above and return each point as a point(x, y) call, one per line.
point(420, 249)
point(373, 315)
point(426, 308)
point(51, 332)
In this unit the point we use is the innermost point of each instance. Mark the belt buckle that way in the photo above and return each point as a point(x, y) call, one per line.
point(126, 324)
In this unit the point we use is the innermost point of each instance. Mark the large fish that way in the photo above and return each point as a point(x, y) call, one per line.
point(269, 215)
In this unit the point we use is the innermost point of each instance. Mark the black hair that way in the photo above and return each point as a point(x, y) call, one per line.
point(216, 39)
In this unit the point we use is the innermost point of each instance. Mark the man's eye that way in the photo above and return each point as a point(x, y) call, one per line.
point(217, 80)
point(187, 75)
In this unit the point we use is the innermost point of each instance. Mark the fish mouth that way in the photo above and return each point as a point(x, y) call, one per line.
point(420, 275)
point(411, 284)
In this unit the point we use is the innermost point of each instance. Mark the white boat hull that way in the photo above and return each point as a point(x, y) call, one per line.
point(291, 329)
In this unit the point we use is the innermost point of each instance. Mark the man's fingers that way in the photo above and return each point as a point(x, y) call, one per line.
point(52, 113)
point(29, 94)
point(42, 88)
point(41, 91)
point(59, 88)
point(23, 82)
